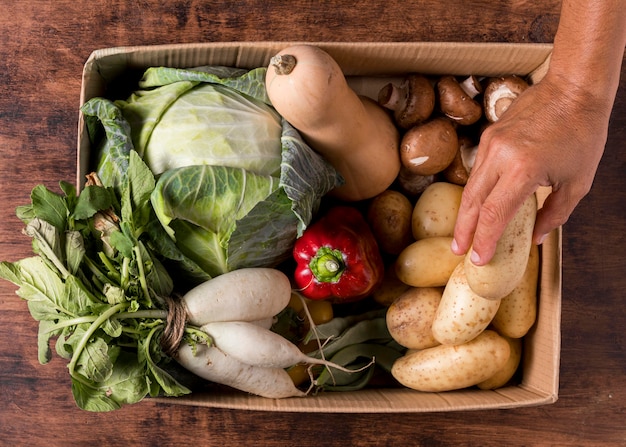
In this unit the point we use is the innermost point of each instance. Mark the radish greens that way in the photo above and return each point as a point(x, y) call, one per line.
point(99, 296)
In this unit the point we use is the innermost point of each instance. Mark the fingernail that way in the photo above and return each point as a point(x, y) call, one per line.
point(475, 257)
point(541, 239)
point(454, 246)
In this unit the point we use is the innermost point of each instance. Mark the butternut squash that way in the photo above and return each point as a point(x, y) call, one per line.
point(356, 135)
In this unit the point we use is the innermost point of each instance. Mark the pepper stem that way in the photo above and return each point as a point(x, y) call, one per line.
point(327, 265)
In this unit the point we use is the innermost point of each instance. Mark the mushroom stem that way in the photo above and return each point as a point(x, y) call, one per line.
point(468, 157)
point(389, 96)
point(471, 86)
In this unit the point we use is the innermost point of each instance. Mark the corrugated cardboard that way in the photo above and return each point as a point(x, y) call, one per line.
point(368, 66)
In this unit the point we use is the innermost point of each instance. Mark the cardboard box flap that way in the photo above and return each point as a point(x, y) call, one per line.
point(386, 400)
point(356, 59)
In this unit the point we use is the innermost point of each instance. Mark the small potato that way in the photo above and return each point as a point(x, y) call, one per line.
point(503, 273)
point(427, 262)
point(436, 210)
point(518, 310)
point(447, 367)
point(505, 374)
point(389, 215)
point(321, 311)
point(410, 317)
point(390, 289)
point(462, 314)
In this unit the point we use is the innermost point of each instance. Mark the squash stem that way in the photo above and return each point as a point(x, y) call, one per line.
point(283, 63)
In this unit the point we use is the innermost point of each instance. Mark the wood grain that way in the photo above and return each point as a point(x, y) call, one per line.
point(43, 46)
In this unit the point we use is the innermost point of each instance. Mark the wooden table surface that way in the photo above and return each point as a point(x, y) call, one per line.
point(43, 47)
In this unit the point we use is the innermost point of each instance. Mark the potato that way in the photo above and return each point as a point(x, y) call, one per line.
point(518, 310)
point(505, 374)
point(390, 289)
point(461, 314)
point(435, 212)
point(410, 317)
point(501, 275)
point(389, 216)
point(448, 367)
point(427, 262)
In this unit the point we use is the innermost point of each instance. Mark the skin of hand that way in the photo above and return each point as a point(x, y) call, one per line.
point(554, 134)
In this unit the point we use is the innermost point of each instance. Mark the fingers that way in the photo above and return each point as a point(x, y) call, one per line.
point(482, 225)
point(474, 195)
point(484, 222)
point(555, 211)
point(497, 187)
point(540, 141)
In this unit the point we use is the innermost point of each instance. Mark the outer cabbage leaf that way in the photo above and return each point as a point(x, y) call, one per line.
point(208, 115)
point(215, 125)
point(248, 82)
point(225, 218)
point(110, 134)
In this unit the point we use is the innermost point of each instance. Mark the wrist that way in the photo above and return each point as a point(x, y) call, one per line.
point(581, 91)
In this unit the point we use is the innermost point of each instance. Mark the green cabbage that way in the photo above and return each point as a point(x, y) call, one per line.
point(235, 183)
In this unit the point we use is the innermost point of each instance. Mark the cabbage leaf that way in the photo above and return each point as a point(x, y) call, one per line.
point(236, 183)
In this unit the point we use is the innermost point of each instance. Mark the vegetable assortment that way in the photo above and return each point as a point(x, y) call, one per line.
point(236, 184)
point(98, 286)
point(272, 231)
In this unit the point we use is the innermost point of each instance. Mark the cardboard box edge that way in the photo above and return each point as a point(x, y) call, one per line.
point(100, 56)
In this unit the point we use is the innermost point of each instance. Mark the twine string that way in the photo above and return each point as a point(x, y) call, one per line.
point(174, 325)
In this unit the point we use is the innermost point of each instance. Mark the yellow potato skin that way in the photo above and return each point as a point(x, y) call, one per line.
point(518, 310)
point(436, 210)
point(505, 374)
point(449, 367)
point(462, 314)
point(427, 262)
point(410, 317)
point(498, 278)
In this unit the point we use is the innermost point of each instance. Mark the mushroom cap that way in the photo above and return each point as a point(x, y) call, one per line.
point(455, 103)
point(412, 102)
point(500, 93)
point(457, 172)
point(429, 148)
point(413, 184)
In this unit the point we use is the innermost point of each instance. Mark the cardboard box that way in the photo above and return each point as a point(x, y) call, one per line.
point(368, 65)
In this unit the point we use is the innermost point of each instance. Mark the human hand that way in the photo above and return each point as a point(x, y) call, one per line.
point(552, 135)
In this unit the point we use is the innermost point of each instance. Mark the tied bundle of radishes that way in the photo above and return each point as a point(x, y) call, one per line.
point(96, 285)
point(236, 310)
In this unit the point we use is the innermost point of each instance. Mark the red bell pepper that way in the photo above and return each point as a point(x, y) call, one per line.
point(338, 257)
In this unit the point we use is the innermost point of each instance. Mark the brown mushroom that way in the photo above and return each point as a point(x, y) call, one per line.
point(458, 171)
point(412, 102)
point(413, 184)
point(456, 100)
point(430, 147)
point(500, 93)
